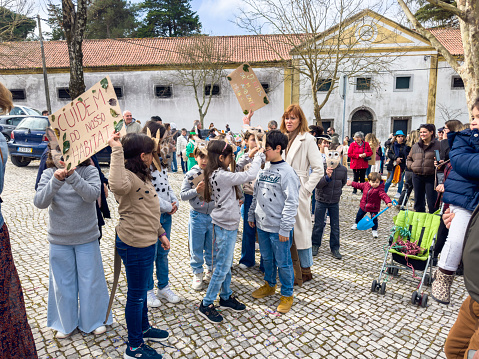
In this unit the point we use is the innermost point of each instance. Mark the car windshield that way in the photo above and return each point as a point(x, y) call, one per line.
point(32, 111)
point(33, 123)
point(17, 111)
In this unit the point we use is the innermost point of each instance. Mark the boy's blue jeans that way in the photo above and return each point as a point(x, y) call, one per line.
point(138, 264)
point(277, 259)
point(249, 236)
point(221, 279)
point(318, 228)
point(161, 257)
point(361, 214)
point(200, 236)
point(390, 180)
point(174, 163)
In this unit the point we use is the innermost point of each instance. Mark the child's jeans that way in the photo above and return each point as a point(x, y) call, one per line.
point(451, 253)
point(221, 279)
point(200, 236)
point(361, 214)
point(161, 256)
point(249, 236)
point(318, 228)
point(277, 259)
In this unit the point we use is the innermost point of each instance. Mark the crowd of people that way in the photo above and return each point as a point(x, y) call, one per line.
point(285, 183)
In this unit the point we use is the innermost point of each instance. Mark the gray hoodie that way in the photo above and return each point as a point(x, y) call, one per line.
point(71, 205)
point(227, 209)
point(188, 192)
point(275, 199)
point(166, 196)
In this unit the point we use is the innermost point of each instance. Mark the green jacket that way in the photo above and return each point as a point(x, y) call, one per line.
point(190, 148)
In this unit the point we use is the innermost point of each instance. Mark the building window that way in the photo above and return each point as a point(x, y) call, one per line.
point(63, 93)
point(324, 85)
point(457, 83)
point(214, 92)
point(163, 91)
point(119, 92)
point(403, 83)
point(401, 123)
point(18, 95)
point(363, 84)
point(265, 86)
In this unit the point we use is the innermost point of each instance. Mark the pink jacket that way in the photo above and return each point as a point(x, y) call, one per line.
point(371, 200)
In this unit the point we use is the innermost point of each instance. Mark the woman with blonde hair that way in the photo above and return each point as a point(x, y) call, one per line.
point(302, 153)
point(374, 162)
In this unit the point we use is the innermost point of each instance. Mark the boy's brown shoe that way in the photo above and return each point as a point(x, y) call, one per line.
point(285, 304)
point(264, 291)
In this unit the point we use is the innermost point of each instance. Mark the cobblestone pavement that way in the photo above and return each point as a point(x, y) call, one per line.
point(333, 316)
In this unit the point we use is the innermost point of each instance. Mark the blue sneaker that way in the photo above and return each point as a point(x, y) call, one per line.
point(210, 313)
point(155, 335)
point(232, 303)
point(142, 352)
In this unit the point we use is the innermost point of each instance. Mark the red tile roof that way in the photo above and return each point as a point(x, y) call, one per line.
point(450, 38)
point(141, 52)
point(166, 51)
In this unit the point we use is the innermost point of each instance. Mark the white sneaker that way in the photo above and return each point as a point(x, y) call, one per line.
point(208, 275)
point(197, 283)
point(243, 266)
point(60, 335)
point(354, 226)
point(168, 294)
point(397, 195)
point(375, 234)
point(100, 330)
point(152, 299)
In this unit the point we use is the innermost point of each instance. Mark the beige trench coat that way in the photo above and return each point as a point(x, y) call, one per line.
point(303, 154)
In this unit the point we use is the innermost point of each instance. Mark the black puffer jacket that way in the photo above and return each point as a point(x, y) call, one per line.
point(403, 152)
point(330, 191)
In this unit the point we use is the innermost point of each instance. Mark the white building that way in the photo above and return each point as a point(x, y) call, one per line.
point(142, 71)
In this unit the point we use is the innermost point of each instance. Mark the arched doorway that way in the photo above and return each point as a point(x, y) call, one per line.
point(362, 120)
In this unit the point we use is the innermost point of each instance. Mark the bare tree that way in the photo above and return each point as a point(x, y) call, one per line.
point(74, 24)
point(327, 38)
point(15, 21)
point(202, 61)
point(449, 114)
point(466, 66)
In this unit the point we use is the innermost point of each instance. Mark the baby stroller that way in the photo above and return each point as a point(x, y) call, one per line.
point(411, 245)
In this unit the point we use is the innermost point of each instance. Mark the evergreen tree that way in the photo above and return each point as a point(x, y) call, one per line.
point(169, 18)
point(434, 16)
point(13, 26)
point(108, 19)
point(55, 19)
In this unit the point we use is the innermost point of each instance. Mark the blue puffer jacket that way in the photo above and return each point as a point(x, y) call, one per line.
point(462, 185)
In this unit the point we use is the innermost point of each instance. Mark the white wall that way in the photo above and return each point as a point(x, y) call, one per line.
point(139, 97)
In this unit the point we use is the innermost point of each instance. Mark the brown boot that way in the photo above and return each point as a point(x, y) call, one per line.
point(298, 275)
point(306, 274)
point(441, 287)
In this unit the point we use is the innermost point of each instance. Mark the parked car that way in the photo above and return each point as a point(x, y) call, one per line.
point(28, 140)
point(24, 110)
point(9, 123)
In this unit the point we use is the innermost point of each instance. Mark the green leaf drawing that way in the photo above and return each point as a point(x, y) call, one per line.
point(68, 156)
point(52, 117)
point(245, 112)
point(119, 125)
point(66, 146)
point(113, 113)
point(265, 100)
point(104, 83)
point(64, 137)
point(229, 78)
point(57, 132)
point(93, 91)
point(246, 68)
point(78, 162)
point(69, 166)
point(80, 99)
point(112, 102)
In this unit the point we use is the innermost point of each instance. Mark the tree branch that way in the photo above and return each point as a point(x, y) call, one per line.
point(448, 7)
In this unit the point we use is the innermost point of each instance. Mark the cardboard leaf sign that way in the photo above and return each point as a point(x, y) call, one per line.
point(247, 88)
point(84, 125)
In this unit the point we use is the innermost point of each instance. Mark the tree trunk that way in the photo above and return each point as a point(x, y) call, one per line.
point(317, 109)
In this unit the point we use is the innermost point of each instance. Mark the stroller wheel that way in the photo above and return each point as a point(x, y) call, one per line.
point(374, 286)
point(395, 272)
point(424, 300)
point(414, 298)
point(383, 288)
point(427, 280)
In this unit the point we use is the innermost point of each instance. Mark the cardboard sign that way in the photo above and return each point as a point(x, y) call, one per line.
point(247, 88)
point(85, 124)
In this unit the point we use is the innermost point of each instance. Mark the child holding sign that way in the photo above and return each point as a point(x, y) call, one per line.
point(137, 234)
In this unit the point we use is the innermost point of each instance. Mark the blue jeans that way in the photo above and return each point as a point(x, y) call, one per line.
point(306, 257)
point(333, 209)
point(277, 254)
point(361, 214)
point(221, 278)
point(249, 236)
point(313, 201)
point(138, 264)
point(390, 179)
point(174, 165)
point(184, 166)
point(200, 236)
point(161, 256)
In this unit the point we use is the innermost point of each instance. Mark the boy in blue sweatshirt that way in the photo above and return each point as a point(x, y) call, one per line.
point(274, 206)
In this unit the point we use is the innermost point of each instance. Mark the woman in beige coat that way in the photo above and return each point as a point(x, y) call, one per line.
point(302, 154)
